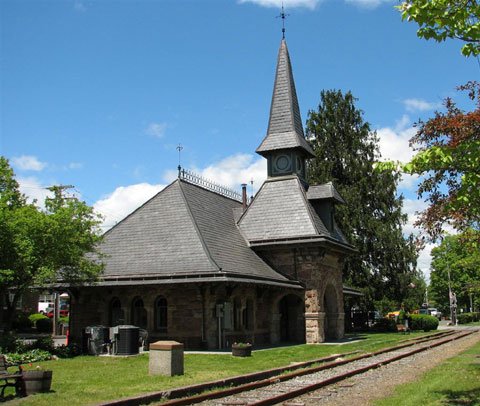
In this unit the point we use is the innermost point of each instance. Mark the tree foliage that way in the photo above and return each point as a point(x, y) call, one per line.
point(442, 19)
point(448, 158)
point(41, 247)
point(457, 258)
point(346, 150)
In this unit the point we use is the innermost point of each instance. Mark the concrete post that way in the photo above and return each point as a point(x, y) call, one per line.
point(166, 358)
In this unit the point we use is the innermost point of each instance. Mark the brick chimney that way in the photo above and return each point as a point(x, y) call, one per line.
point(244, 196)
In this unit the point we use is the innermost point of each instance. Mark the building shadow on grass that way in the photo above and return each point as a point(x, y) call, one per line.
point(469, 397)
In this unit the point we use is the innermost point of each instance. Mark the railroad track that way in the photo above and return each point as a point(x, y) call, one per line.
point(281, 388)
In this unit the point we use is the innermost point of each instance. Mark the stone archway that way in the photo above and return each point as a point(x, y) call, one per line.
point(331, 311)
point(291, 325)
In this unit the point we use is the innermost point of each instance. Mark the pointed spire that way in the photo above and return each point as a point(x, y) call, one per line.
point(285, 129)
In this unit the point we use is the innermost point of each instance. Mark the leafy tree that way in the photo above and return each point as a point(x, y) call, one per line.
point(453, 257)
point(442, 19)
point(449, 160)
point(41, 247)
point(346, 150)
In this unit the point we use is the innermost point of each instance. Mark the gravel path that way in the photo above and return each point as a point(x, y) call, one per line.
point(379, 383)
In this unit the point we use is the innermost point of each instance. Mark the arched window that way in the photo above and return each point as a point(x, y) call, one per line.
point(117, 315)
point(248, 315)
point(139, 313)
point(161, 314)
point(237, 314)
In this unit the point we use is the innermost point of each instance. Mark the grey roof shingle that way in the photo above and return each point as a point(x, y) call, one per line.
point(281, 211)
point(183, 231)
point(325, 191)
point(285, 129)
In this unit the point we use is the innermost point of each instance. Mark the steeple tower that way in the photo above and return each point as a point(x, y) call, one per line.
point(285, 146)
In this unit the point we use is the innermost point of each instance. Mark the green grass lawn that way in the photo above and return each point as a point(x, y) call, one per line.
point(454, 382)
point(87, 379)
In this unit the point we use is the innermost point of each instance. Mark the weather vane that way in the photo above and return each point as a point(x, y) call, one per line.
point(283, 16)
point(179, 149)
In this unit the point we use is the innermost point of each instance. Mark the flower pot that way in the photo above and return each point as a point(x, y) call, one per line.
point(242, 350)
point(36, 381)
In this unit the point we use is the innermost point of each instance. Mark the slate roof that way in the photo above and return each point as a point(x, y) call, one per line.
point(281, 212)
point(325, 191)
point(285, 129)
point(183, 234)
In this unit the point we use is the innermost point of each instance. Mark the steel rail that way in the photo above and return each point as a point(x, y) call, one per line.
point(309, 370)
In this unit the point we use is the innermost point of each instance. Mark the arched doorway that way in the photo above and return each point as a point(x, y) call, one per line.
point(330, 306)
point(292, 327)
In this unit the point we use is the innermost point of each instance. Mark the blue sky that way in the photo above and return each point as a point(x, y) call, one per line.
point(98, 94)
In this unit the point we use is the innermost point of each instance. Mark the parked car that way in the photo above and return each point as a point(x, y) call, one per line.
point(432, 311)
point(63, 312)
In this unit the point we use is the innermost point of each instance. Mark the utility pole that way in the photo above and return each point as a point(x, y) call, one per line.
point(58, 191)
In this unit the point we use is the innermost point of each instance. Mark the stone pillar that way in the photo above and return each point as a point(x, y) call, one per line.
point(166, 358)
point(340, 329)
point(314, 327)
point(275, 328)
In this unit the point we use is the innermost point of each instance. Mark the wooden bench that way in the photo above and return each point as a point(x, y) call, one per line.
point(9, 379)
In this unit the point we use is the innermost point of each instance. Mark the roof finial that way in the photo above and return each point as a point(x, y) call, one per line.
point(179, 149)
point(283, 16)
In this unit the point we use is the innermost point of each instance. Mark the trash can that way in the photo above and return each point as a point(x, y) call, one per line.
point(127, 340)
point(97, 337)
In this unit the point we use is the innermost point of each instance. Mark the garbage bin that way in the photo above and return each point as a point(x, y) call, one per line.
point(127, 340)
point(97, 337)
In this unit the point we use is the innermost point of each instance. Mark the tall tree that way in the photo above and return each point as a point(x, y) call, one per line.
point(40, 247)
point(448, 158)
point(346, 151)
point(454, 261)
point(442, 19)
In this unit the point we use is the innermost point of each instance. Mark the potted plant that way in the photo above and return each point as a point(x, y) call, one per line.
point(241, 349)
point(36, 380)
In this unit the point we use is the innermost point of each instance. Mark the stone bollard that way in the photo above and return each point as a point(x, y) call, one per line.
point(166, 358)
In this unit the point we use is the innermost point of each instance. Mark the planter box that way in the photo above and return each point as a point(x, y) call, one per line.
point(242, 350)
point(36, 381)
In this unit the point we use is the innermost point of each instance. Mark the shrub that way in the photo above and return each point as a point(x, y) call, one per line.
point(21, 322)
point(44, 344)
point(35, 317)
point(385, 324)
point(423, 322)
point(44, 325)
point(67, 351)
point(464, 318)
point(10, 343)
point(27, 357)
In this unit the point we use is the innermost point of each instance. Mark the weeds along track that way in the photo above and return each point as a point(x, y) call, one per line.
point(280, 388)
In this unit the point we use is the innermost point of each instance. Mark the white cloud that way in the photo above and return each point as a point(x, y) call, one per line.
point(123, 200)
point(394, 141)
point(413, 105)
point(28, 163)
point(411, 207)
point(288, 4)
point(368, 3)
point(235, 170)
point(156, 129)
point(34, 190)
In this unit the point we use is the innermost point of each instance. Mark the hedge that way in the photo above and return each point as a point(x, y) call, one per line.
point(423, 322)
point(464, 318)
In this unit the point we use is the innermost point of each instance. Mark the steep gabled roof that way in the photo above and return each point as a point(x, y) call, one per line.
point(285, 128)
point(183, 233)
point(282, 212)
